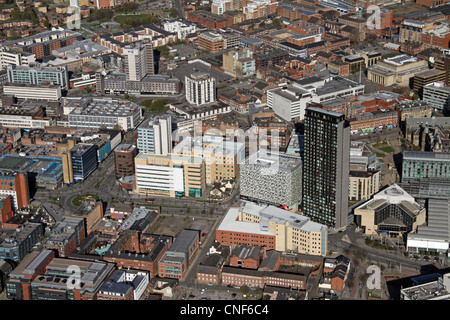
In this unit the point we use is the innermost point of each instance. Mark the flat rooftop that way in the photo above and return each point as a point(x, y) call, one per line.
point(280, 161)
point(103, 107)
point(42, 166)
point(185, 70)
point(231, 223)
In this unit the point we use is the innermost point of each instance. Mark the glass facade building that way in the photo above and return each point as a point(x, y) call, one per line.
point(421, 164)
point(326, 167)
point(84, 160)
point(38, 75)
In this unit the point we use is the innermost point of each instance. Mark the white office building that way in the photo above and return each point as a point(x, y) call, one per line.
point(16, 58)
point(138, 60)
point(291, 100)
point(437, 94)
point(38, 75)
point(35, 92)
point(106, 113)
point(155, 135)
point(180, 27)
point(121, 280)
point(200, 88)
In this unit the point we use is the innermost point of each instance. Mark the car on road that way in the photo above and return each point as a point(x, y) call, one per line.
point(204, 234)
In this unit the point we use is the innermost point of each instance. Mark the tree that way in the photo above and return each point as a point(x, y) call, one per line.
point(15, 14)
point(244, 289)
point(173, 13)
point(276, 22)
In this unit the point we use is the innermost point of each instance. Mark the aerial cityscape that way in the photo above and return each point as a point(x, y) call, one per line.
point(245, 151)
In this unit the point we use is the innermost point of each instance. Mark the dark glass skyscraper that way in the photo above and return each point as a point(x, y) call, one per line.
point(326, 167)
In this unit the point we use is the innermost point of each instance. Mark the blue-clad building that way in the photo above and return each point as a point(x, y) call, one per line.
point(42, 171)
point(84, 160)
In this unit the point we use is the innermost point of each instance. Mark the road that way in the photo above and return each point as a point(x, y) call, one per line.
point(109, 190)
point(179, 8)
point(356, 241)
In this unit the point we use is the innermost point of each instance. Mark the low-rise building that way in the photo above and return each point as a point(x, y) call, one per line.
point(124, 285)
point(41, 276)
point(180, 27)
point(91, 212)
point(424, 289)
point(19, 243)
point(418, 165)
point(135, 250)
point(236, 276)
point(434, 235)
point(392, 210)
point(396, 70)
point(46, 92)
point(95, 113)
point(66, 235)
point(179, 257)
point(239, 62)
point(437, 94)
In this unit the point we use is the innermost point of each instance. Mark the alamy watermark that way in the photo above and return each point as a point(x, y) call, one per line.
point(74, 20)
point(374, 21)
point(374, 279)
point(74, 280)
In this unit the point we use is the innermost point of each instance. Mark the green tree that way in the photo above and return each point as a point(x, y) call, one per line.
point(173, 12)
point(276, 22)
point(15, 14)
point(244, 290)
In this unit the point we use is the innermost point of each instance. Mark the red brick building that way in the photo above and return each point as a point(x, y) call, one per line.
point(432, 3)
point(335, 272)
point(211, 42)
point(232, 238)
point(22, 281)
point(386, 18)
point(138, 251)
point(124, 155)
point(66, 236)
point(247, 257)
point(436, 40)
point(176, 261)
point(371, 120)
point(16, 184)
point(295, 13)
point(34, 278)
point(121, 210)
point(209, 275)
point(6, 211)
point(258, 279)
point(209, 19)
